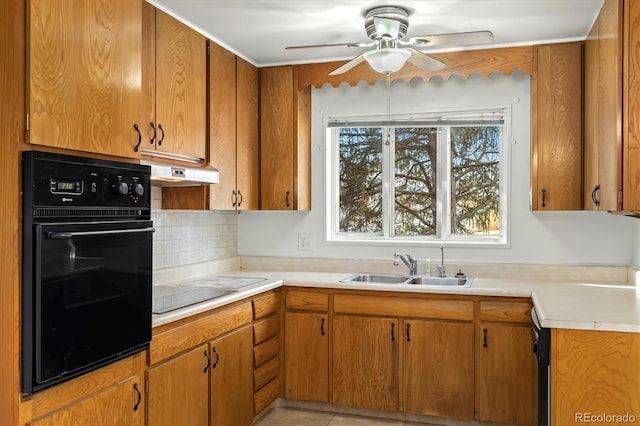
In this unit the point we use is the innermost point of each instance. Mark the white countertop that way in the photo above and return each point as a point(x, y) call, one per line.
point(559, 304)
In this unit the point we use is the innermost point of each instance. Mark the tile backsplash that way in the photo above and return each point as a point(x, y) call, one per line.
point(185, 237)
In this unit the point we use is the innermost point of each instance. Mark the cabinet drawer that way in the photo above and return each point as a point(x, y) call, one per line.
point(265, 305)
point(307, 301)
point(267, 372)
point(404, 307)
point(266, 395)
point(266, 351)
point(505, 311)
point(192, 334)
point(265, 329)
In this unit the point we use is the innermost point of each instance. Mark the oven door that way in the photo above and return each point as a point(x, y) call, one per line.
point(91, 296)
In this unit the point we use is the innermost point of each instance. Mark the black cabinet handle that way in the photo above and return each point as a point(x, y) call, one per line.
point(484, 338)
point(286, 199)
point(206, 354)
point(215, 363)
point(240, 195)
point(135, 148)
point(137, 404)
point(162, 136)
point(594, 195)
point(153, 138)
point(544, 197)
point(233, 198)
point(393, 332)
point(408, 332)
point(322, 327)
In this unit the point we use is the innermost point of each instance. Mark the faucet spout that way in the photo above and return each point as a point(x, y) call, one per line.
point(408, 260)
point(441, 269)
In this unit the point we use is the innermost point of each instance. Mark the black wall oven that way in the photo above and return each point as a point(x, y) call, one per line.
point(86, 273)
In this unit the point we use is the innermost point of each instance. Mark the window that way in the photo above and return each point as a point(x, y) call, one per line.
point(437, 178)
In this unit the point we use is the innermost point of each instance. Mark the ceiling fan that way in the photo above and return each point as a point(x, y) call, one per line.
point(386, 26)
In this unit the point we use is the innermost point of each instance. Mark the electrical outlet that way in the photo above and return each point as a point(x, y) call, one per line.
point(305, 242)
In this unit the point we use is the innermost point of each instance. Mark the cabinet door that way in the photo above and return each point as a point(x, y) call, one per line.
point(556, 149)
point(437, 368)
point(85, 75)
point(181, 87)
point(276, 115)
point(631, 133)
point(365, 362)
point(603, 110)
point(121, 404)
point(222, 126)
point(178, 390)
point(231, 378)
point(307, 356)
point(248, 136)
point(506, 374)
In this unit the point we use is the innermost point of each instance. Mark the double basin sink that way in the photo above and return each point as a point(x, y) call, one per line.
point(408, 279)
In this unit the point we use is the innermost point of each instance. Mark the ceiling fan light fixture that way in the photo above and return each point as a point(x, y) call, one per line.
point(387, 60)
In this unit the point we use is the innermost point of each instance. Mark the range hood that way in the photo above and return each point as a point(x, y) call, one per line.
point(170, 175)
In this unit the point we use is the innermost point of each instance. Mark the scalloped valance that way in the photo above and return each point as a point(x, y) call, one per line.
point(463, 63)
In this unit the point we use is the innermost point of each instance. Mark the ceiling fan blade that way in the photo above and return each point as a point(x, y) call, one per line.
point(473, 37)
point(386, 28)
point(425, 62)
point(310, 46)
point(346, 67)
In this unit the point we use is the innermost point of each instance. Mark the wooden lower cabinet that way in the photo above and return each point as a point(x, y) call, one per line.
point(506, 374)
point(178, 390)
point(121, 404)
point(307, 356)
point(437, 368)
point(231, 378)
point(595, 373)
point(365, 362)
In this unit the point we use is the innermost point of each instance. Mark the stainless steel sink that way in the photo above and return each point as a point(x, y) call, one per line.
point(408, 279)
point(447, 281)
point(376, 278)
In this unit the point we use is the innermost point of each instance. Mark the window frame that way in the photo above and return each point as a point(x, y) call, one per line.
point(443, 208)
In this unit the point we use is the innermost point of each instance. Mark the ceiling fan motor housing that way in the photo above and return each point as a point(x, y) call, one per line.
point(388, 12)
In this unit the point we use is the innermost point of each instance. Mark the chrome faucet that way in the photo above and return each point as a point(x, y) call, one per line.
point(442, 273)
point(408, 260)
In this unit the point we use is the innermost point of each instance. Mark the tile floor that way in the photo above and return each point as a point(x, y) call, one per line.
point(292, 416)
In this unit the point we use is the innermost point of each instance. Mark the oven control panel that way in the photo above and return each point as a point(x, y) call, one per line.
point(61, 180)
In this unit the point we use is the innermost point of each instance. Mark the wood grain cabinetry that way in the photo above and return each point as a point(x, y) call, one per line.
point(266, 349)
point(307, 335)
point(594, 373)
point(175, 82)
point(233, 128)
point(231, 379)
point(505, 366)
point(178, 390)
point(285, 140)
point(437, 368)
point(556, 139)
point(364, 371)
point(84, 76)
point(118, 405)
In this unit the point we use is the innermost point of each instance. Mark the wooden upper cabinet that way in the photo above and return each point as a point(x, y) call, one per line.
point(631, 108)
point(84, 81)
point(603, 111)
point(556, 143)
point(285, 132)
point(234, 135)
point(175, 64)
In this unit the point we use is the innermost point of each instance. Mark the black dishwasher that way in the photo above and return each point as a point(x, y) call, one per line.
point(541, 338)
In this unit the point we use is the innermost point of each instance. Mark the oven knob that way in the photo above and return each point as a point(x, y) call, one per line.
point(137, 190)
point(122, 188)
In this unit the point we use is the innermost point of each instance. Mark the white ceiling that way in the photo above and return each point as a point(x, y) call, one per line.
point(259, 30)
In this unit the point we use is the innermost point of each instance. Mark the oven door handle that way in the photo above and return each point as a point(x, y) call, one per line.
point(65, 235)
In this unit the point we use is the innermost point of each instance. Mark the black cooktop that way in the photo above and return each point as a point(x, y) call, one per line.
point(169, 298)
